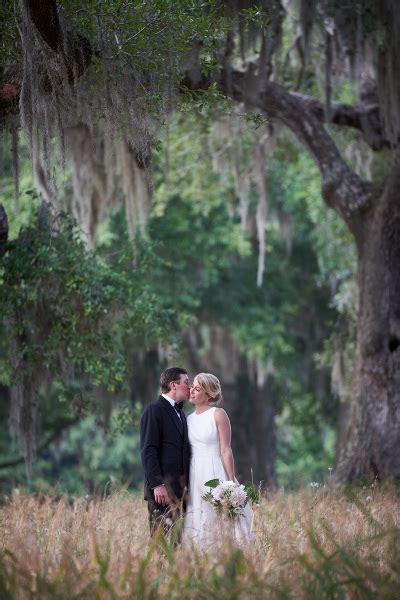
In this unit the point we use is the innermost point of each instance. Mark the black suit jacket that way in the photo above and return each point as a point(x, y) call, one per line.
point(165, 449)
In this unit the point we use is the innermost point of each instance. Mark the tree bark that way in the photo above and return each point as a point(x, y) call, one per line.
point(146, 368)
point(262, 431)
point(3, 230)
point(75, 51)
point(370, 444)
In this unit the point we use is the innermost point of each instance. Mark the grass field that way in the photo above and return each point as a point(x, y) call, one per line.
point(315, 543)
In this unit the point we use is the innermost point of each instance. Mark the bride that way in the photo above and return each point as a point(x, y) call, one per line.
point(209, 432)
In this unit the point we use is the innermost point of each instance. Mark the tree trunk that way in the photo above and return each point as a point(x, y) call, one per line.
point(262, 434)
point(3, 230)
point(147, 367)
point(248, 400)
point(370, 444)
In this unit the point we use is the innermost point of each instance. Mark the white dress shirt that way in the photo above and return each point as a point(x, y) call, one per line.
point(172, 403)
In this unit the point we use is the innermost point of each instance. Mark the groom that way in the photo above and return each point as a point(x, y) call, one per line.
point(165, 450)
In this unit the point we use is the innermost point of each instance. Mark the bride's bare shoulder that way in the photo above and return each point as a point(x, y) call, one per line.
point(221, 416)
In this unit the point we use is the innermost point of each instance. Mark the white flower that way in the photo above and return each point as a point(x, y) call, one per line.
point(218, 493)
point(238, 497)
point(228, 486)
point(228, 495)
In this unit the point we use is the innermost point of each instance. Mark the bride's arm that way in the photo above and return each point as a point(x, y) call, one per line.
point(224, 434)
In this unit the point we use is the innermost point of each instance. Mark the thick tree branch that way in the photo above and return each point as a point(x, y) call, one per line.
point(363, 118)
point(75, 51)
point(44, 15)
point(13, 462)
point(342, 188)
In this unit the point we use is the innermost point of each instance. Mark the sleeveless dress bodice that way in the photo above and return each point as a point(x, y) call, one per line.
point(203, 434)
point(202, 524)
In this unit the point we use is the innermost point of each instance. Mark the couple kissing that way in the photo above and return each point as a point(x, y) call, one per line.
point(180, 454)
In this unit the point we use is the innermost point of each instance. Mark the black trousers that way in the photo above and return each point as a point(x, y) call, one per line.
point(168, 518)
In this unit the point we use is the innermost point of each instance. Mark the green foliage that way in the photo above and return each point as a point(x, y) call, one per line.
point(70, 318)
point(19, 211)
point(149, 41)
point(101, 306)
point(252, 493)
point(92, 459)
point(212, 483)
point(256, 16)
point(206, 102)
point(68, 307)
point(213, 270)
point(9, 36)
point(305, 449)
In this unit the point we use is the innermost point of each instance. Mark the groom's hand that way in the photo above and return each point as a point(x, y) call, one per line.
point(161, 495)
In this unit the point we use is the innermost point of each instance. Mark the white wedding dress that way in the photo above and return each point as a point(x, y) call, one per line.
point(202, 525)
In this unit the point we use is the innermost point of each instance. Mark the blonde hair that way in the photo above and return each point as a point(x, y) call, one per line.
point(212, 387)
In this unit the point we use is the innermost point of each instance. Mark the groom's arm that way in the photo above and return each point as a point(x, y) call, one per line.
point(150, 440)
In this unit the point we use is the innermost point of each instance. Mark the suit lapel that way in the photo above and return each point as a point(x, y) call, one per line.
point(172, 414)
point(184, 423)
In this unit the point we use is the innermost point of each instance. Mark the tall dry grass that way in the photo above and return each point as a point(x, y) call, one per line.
point(316, 543)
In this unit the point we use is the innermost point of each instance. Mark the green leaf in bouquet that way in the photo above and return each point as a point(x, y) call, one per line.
point(252, 493)
point(208, 497)
point(212, 483)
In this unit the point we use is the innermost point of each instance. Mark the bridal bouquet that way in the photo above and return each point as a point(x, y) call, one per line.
point(227, 497)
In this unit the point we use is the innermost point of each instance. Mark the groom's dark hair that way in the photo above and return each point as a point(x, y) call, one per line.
point(170, 375)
